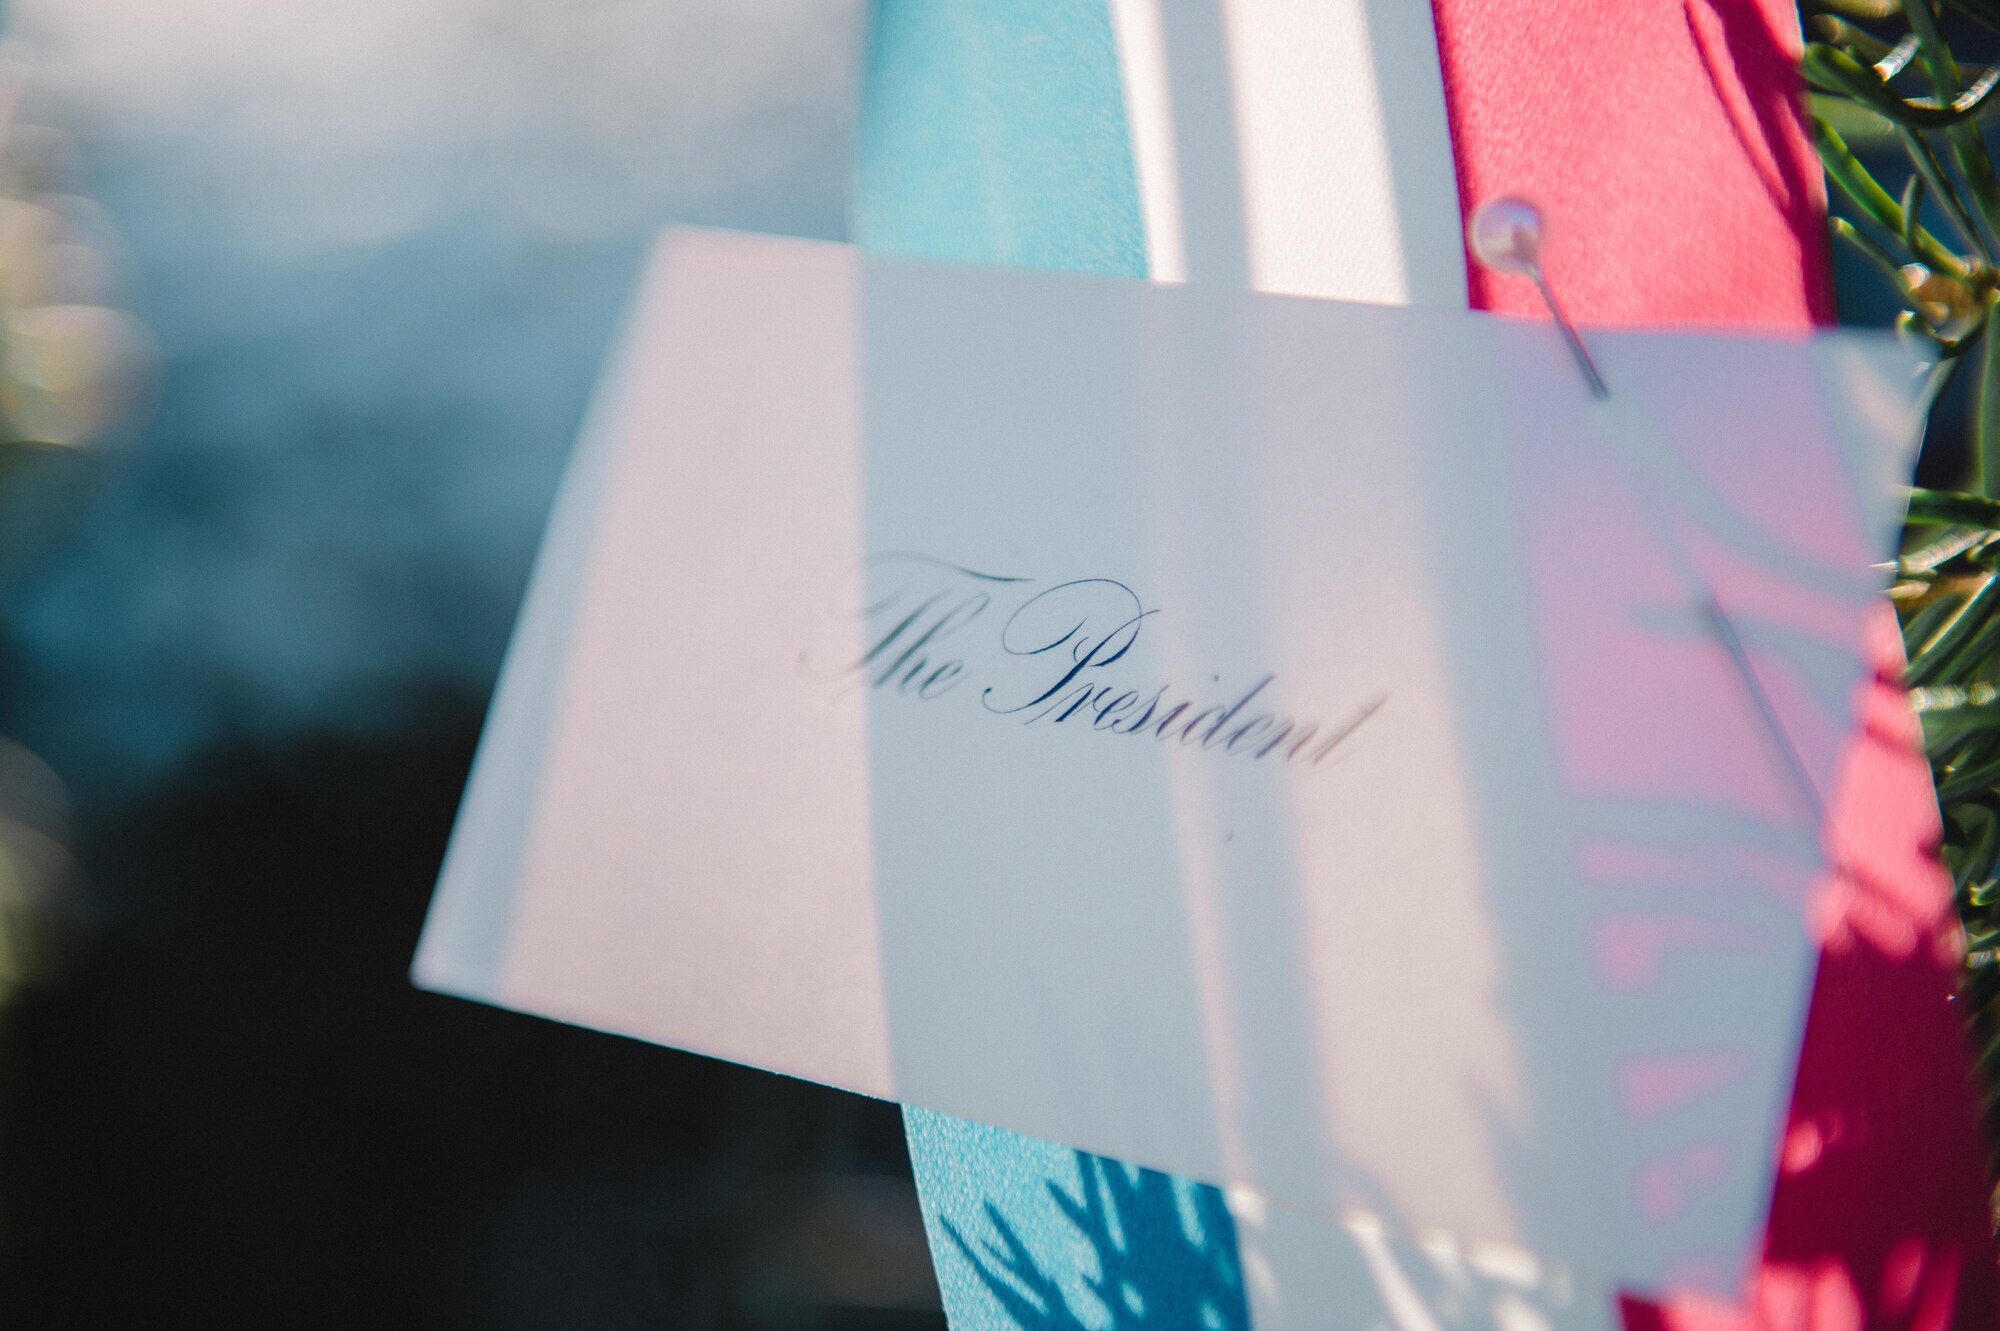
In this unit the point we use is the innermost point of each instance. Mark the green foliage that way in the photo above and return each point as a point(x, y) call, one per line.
point(1885, 76)
point(1947, 593)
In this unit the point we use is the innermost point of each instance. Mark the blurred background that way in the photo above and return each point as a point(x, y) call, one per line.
point(300, 305)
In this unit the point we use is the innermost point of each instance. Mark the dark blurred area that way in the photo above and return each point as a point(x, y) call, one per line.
point(247, 636)
point(232, 1109)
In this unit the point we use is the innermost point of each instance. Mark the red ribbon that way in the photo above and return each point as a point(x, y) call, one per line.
point(1665, 143)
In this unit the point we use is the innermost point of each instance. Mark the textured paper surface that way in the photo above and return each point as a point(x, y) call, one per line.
point(1296, 146)
point(1434, 973)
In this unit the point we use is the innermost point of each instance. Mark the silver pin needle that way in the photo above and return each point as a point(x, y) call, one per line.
point(1766, 710)
point(1505, 233)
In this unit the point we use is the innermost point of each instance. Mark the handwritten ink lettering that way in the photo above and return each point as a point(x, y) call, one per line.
point(1059, 655)
point(1053, 608)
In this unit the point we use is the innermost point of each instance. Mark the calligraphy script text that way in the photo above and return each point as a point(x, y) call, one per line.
point(1054, 649)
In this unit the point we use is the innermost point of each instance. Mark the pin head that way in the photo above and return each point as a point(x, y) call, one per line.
point(1506, 234)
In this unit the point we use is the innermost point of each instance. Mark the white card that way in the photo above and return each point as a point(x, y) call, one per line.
point(1273, 740)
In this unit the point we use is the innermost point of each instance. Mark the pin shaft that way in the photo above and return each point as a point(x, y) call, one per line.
point(1505, 233)
point(1767, 712)
point(1584, 361)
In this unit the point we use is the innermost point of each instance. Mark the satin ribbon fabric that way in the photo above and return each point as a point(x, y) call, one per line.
point(1331, 149)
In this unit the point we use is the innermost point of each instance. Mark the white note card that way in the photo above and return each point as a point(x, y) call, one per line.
point(1280, 741)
